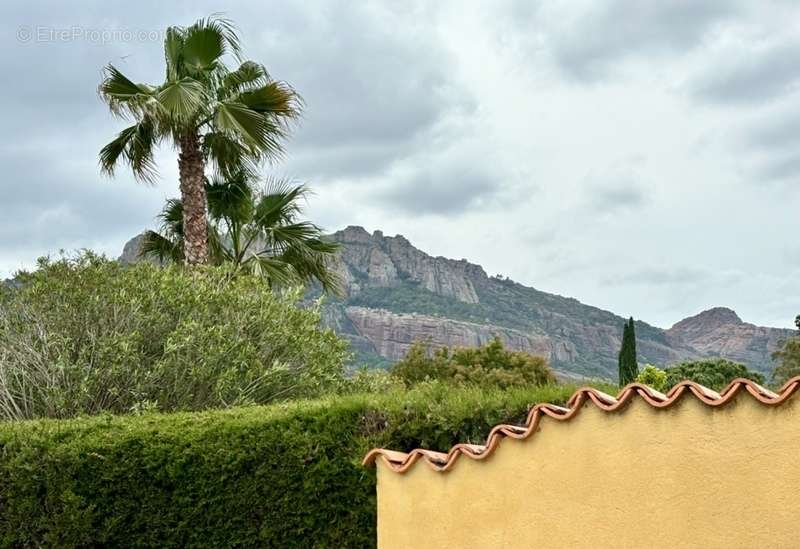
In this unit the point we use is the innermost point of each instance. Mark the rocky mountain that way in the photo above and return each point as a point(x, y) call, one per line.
point(720, 332)
point(395, 294)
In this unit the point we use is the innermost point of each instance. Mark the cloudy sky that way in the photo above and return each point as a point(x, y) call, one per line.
point(640, 156)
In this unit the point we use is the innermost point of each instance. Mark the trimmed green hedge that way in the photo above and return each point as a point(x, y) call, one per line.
point(277, 476)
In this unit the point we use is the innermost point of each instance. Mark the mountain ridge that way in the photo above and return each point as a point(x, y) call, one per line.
point(393, 279)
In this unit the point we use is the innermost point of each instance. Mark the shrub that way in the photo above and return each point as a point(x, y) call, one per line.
point(490, 365)
point(86, 335)
point(368, 379)
point(654, 377)
point(788, 357)
point(286, 475)
point(714, 373)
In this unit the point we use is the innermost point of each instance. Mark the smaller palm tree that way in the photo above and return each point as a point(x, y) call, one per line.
point(256, 229)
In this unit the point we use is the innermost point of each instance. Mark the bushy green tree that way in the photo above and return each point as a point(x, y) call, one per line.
point(628, 366)
point(788, 357)
point(255, 229)
point(87, 335)
point(653, 376)
point(232, 119)
point(714, 373)
point(489, 365)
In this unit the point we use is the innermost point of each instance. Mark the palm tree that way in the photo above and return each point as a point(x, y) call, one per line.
point(232, 119)
point(255, 229)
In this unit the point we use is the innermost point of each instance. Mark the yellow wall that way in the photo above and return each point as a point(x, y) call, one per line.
point(686, 476)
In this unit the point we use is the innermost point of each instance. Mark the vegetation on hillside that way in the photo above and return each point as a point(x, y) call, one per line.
point(230, 119)
point(254, 229)
point(86, 335)
point(508, 304)
point(488, 366)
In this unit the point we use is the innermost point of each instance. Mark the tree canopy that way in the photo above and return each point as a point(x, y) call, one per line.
point(489, 365)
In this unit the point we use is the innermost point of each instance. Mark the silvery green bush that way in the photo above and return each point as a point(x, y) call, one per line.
point(85, 335)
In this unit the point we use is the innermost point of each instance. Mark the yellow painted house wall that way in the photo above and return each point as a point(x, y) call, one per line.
point(686, 476)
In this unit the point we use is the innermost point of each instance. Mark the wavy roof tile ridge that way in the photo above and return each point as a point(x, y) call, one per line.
point(400, 462)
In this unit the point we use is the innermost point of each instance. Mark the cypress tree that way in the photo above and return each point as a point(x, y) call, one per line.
point(623, 373)
point(633, 361)
point(628, 366)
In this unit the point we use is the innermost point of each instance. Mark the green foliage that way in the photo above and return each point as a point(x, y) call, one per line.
point(87, 335)
point(628, 362)
point(411, 298)
point(367, 379)
point(788, 357)
point(238, 116)
point(654, 377)
point(254, 229)
point(287, 475)
point(714, 373)
point(490, 365)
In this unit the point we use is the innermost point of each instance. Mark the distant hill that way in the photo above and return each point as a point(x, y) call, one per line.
point(396, 294)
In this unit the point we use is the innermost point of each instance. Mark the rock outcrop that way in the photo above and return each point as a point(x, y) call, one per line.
point(132, 252)
point(378, 261)
point(392, 334)
point(720, 332)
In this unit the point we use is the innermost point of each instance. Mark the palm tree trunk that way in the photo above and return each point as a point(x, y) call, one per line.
point(193, 195)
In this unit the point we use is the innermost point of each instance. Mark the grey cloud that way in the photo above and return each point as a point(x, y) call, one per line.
point(368, 87)
point(617, 189)
point(779, 131)
point(589, 45)
point(770, 146)
point(749, 76)
point(779, 167)
point(451, 192)
point(685, 277)
point(680, 276)
point(620, 195)
point(318, 165)
point(52, 205)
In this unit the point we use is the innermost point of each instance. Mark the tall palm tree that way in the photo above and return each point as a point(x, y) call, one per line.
point(256, 229)
point(232, 119)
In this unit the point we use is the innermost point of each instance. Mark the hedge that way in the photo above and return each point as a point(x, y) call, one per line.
point(272, 476)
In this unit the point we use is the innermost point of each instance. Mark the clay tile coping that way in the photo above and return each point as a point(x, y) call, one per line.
point(400, 462)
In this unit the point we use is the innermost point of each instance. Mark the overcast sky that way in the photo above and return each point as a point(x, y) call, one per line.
point(640, 156)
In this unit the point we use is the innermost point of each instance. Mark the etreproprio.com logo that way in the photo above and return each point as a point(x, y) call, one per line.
point(43, 34)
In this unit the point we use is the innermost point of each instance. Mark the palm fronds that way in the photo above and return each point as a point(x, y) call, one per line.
point(258, 230)
point(240, 117)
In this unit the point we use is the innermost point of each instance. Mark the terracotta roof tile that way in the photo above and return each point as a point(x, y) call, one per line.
point(401, 462)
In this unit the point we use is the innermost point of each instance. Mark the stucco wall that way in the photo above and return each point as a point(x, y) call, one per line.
point(686, 476)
